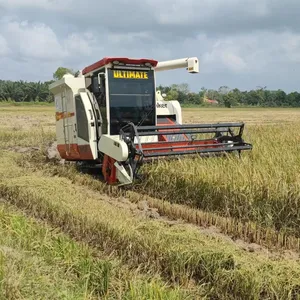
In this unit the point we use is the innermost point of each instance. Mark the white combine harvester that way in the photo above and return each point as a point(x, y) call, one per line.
point(111, 115)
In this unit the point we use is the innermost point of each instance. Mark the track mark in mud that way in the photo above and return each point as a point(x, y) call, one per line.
point(19, 149)
point(142, 208)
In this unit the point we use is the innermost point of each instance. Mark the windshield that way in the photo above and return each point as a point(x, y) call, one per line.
point(132, 98)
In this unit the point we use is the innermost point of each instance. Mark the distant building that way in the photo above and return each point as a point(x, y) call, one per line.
point(210, 101)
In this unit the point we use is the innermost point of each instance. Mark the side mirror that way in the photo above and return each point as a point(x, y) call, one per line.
point(99, 79)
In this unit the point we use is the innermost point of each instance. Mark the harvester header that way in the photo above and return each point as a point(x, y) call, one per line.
point(111, 116)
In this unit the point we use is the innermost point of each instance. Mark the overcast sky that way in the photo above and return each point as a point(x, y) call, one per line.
point(240, 43)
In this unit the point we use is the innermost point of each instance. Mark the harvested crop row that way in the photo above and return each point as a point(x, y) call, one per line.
point(262, 186)
point(37, 261)
point(179, 253)
point(18, 138)
point(246, 230)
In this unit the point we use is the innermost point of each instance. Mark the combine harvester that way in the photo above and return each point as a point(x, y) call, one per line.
point(111, 115)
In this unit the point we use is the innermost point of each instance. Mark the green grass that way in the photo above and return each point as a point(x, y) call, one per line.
point(39, 262)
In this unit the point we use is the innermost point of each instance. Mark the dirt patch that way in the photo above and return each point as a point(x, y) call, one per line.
point(10, 252)
point(19, 149)
point(250, 247)
point(148, 211)
point(141, 208)
point(215, 232)
point(52, 153)
point(253, 247)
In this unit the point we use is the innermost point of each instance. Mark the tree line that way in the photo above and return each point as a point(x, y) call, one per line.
point(224, 96)
point(22, 91)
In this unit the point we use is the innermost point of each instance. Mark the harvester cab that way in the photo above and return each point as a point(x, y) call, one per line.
point(111, 115)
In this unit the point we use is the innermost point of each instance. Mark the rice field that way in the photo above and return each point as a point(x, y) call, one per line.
point(218, 228)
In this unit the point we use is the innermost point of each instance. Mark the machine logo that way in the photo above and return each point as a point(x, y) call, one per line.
point(158, 105)
point(130, 74)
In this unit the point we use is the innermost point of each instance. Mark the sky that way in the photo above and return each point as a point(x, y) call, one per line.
point(241, 44)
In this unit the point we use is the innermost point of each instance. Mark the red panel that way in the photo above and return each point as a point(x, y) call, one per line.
point(76, 152)
point(107, 60)
point(109, 170)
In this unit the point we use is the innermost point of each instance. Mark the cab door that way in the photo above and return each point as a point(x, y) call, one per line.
point(85, 128)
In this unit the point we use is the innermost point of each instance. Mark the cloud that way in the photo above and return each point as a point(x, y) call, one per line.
point(4, 49)
point(56, 5)
point(36, 41)
point(80, 44)
point(225, 54)
point(239, 43)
